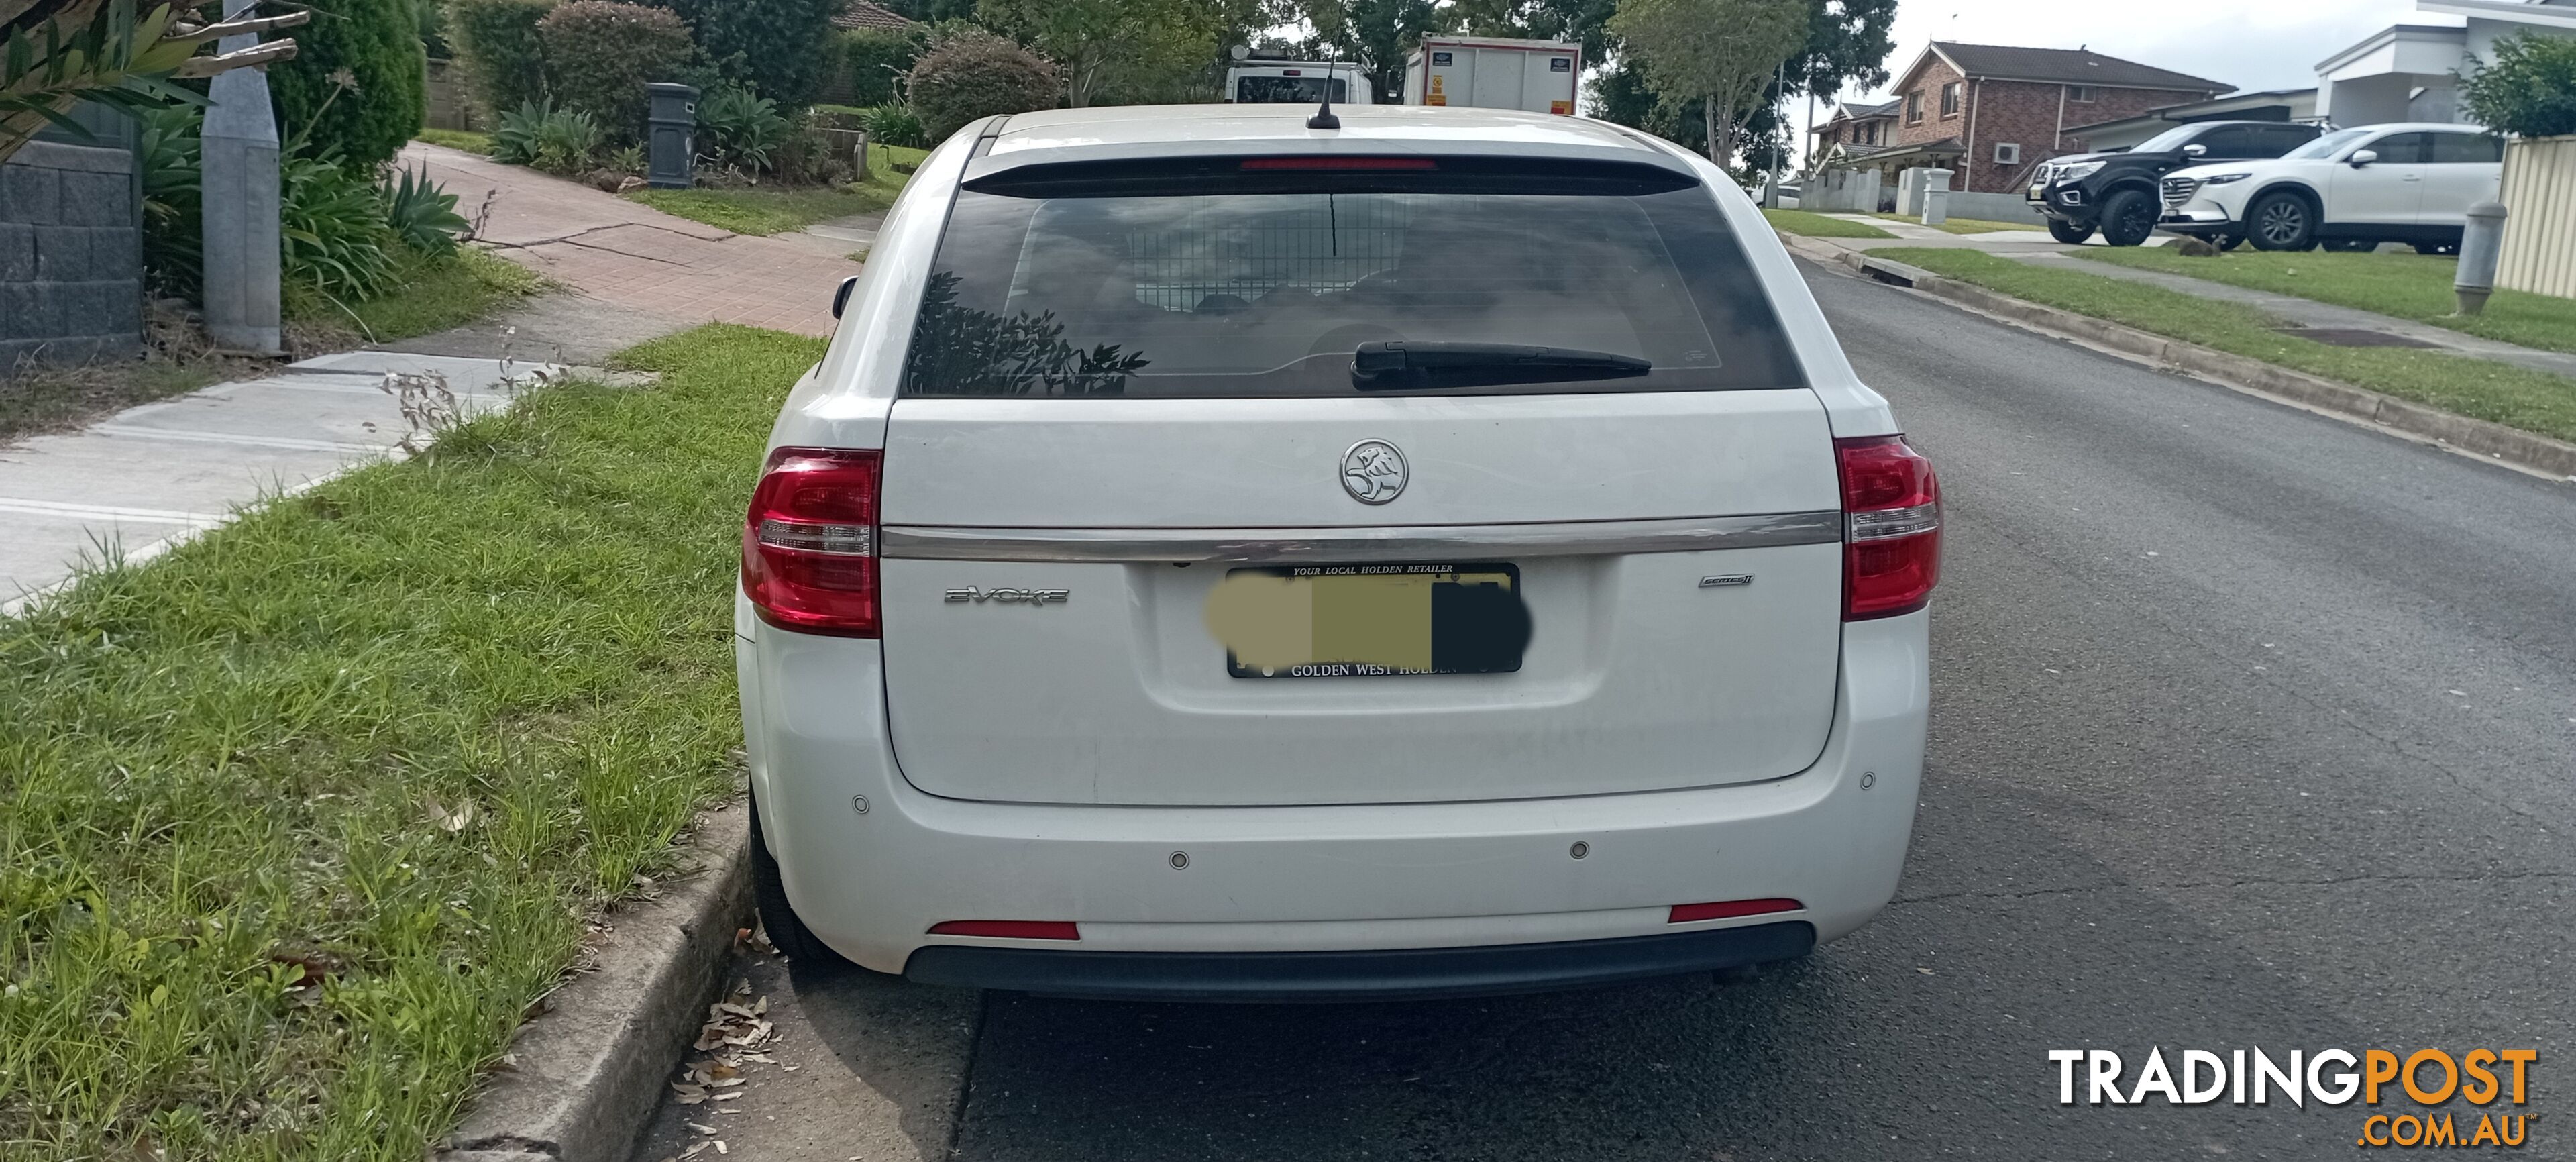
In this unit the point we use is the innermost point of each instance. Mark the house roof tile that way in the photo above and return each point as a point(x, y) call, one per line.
point(861, 14)
point(2066, 66)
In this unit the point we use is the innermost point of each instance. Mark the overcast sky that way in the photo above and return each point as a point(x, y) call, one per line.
point(2252, 44)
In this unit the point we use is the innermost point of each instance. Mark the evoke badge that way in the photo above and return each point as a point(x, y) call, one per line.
point(1373, 472)
point(1008, 596)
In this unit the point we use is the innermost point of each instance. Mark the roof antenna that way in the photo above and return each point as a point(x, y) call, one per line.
point(1323, 118)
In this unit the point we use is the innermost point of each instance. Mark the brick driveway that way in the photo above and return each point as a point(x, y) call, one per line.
point(637, 258)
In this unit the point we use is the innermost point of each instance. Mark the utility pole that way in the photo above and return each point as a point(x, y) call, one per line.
point(240, 205)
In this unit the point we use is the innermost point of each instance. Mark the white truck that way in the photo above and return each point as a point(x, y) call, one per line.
point(1254, 81)
point(1493, 72)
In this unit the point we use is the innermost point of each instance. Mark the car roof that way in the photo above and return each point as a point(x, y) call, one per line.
point(1146, 131)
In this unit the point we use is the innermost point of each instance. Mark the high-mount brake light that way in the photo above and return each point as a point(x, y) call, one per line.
point(809, 543)
point(1338, 163)
point(1891, 529)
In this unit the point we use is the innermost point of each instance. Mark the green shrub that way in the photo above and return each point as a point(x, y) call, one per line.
point(739, 128)
point(2529, 90)
point(600, 54)
point(872, 59)
point(538, 135)
point(782, 48)
point(332, 228)
point(971, 73)
point(894, 125)
point(358, 83)
point(498, 46)
point(420, 213)
point(173, 234)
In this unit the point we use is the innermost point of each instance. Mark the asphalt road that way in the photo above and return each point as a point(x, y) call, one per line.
point(2250, 727)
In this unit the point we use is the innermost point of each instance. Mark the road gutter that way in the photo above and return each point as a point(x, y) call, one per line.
point(2496, 443)
point(583, 1077)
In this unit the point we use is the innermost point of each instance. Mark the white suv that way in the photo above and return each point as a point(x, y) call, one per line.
point(2351, 189)
point(1223, 558)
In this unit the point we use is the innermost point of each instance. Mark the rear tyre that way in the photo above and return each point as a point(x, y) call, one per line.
point(2281, 221)
point(2128, 218)
point(786, 932)
point(2068, 232)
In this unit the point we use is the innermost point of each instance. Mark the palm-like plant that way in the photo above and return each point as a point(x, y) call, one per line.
point(122, 54)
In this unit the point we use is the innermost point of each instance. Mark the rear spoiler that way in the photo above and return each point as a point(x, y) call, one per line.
point(1356, 167)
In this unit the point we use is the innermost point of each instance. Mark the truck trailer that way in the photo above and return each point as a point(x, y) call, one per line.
point(1493, 72)
point(1258, 81)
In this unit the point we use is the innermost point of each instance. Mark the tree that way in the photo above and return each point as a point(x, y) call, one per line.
point(1374, 34)
point(1096, 43)
point(970, 73)
point(1847, 46)
point(1717, 54)
point(57, 53)
point(782, 48)
point(359, 85)
point(1584, 22)
point(2529, 90)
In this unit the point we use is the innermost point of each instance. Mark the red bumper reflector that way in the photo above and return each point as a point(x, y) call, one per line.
point(1010, 929)
point(1720, 910)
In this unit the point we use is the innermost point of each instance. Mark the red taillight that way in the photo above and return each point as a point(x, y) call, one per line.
point(809, 545)
point(1339, 163)
point(1013, 929)
point(1730, 909)
point(1891, 527)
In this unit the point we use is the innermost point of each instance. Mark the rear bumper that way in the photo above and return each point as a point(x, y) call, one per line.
point(1361, 975)
point(1477, 895)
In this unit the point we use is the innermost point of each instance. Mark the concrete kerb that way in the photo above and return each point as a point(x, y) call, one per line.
point(584, 1077)
point(2513, 446)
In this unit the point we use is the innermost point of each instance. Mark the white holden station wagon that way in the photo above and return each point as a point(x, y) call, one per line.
point(1230, 556)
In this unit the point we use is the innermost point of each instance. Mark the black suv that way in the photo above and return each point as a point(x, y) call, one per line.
point(2116, 192)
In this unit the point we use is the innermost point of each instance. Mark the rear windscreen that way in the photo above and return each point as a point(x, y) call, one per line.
point(1269, 284)
point(1287, 91)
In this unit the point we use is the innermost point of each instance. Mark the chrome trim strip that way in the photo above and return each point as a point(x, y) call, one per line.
point(1397, 543)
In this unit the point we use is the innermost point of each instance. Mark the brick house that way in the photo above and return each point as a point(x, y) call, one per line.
point(1856, 130)
point(1990, 112)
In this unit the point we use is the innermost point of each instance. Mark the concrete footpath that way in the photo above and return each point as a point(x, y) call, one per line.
point(149, 477)
point(637, 259)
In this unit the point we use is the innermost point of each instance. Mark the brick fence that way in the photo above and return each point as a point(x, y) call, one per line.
point(71, 255)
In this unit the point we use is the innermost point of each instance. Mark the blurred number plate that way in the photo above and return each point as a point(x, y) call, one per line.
point(1349, 621)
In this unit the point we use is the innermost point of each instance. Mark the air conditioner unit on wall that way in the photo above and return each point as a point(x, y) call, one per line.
point(2007, 153)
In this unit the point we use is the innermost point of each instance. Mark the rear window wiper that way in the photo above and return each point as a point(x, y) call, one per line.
point(1405, 363)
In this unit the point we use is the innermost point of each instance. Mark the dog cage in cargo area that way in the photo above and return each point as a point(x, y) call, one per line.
point(1213, 257)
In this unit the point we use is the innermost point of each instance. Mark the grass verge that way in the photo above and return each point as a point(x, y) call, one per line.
point(430, 293)
point(298, 819)
point(2409, 286)
point(776, 211)
point(2517, 397)
point(471, 142)
point(1815, 225)
point(1966, 225)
